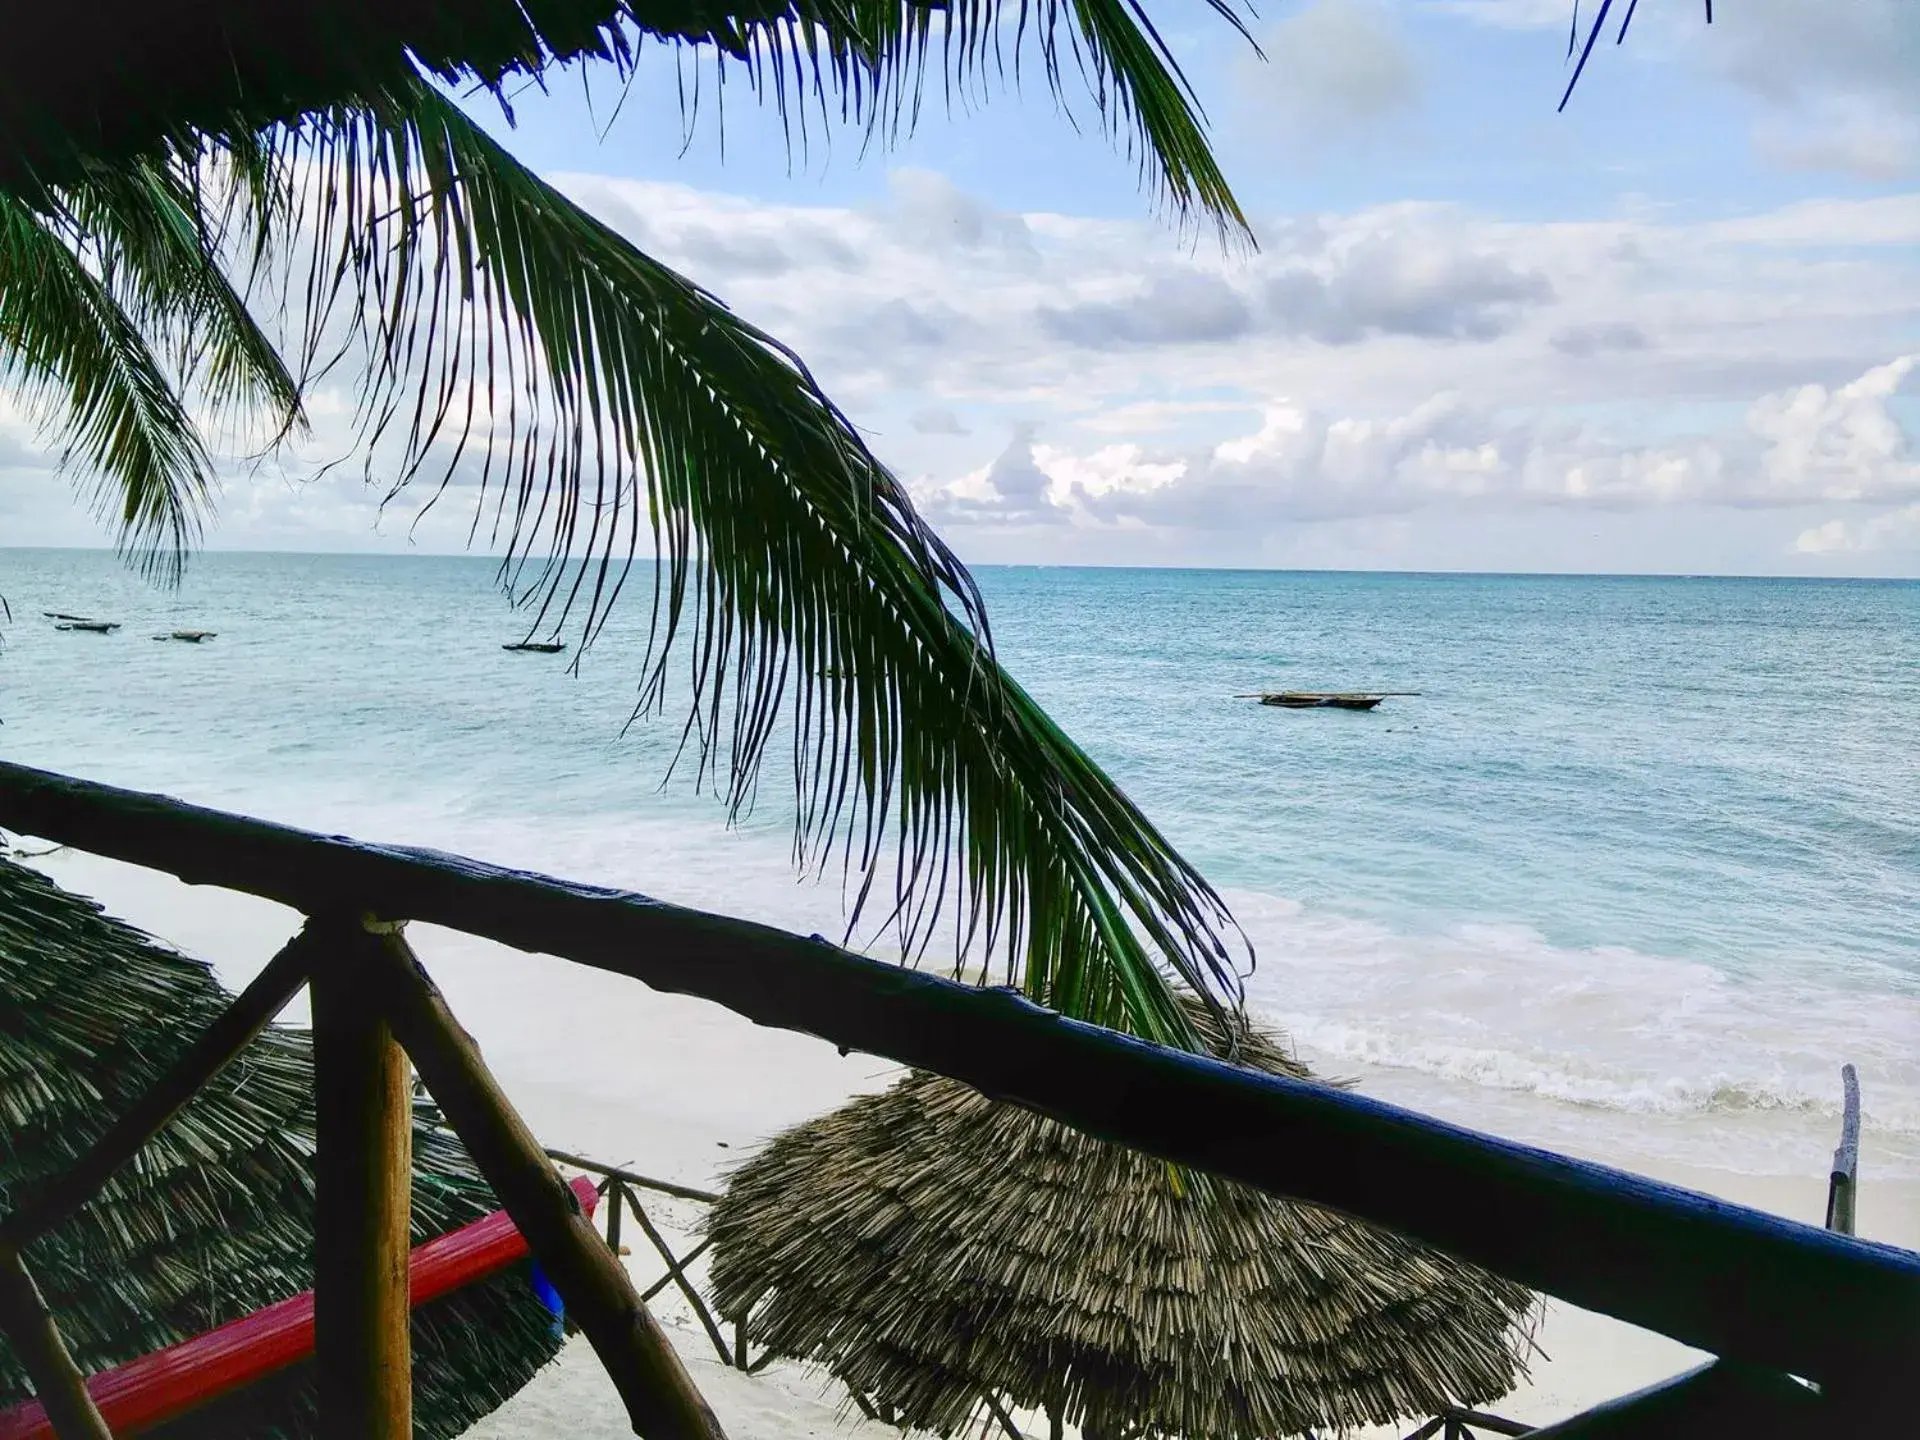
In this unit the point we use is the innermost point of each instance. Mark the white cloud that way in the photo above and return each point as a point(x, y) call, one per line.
point(1398, 360)
point(1810, 444)
point(1337, 64)
point(1897, 530)
point(1839, 444)
point(936, 420)
point(1849, 134)
point(1836, 78)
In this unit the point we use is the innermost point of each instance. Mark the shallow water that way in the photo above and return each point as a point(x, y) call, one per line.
point(1638, 869)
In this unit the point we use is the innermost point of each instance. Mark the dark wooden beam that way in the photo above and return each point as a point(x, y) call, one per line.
point(57, 1382)
point(52, 1201)
point(1716, 1399)
point(1717, 1276)
point(662, 1402)
point(364, 1174)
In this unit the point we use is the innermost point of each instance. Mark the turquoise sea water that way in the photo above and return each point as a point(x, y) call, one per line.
point(1639, 866)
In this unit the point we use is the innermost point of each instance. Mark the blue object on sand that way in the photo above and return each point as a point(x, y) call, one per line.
point(549, 1297)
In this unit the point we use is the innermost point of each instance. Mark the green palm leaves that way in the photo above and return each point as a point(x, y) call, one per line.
point(115, 314)
point(505, 348)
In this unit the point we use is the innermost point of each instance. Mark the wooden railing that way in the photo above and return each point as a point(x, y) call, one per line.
point(617, 1189)
point(1816, 1330)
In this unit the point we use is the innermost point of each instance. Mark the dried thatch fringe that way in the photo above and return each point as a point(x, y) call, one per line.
point(930, 1246)
point(214, 1218)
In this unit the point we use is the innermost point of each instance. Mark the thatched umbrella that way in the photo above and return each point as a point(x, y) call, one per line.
point(214, 1218)
point(938, 1251)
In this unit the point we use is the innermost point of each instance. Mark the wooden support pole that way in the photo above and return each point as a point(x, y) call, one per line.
point(615, 1192)
point(1844, 1181)
point(232, 1032)
point(661, 1401)
point(57, 1382)
point(364, 1172)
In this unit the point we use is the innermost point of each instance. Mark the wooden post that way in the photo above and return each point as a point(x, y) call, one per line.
point(57, 1382)
point(661, 1401)
point(364, 1169)
point(1844, 1180)
point(615, 1193)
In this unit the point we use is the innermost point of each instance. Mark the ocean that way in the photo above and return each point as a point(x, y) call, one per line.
point(1634, 873)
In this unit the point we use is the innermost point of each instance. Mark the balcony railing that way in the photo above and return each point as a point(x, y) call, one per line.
point(1815, 1330)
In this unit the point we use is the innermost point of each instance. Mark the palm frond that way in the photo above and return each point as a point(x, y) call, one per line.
point(81, 356)
point(594, 400)
point(159, 247)
point(869, 61)
point(70, 96)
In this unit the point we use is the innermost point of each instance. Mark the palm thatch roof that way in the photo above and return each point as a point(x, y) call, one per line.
point(932, 1247)
point(214, 1218)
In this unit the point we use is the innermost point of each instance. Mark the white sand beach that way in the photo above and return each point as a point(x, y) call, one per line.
point(680, 1089)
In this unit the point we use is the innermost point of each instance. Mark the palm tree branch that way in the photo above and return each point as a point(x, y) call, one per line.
point(592, 399)
point(65, 336)
point(148, 225)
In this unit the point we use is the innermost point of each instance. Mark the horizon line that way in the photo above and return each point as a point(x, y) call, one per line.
point(1190, 567)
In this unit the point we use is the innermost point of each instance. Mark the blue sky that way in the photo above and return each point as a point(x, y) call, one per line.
point(1665, 330)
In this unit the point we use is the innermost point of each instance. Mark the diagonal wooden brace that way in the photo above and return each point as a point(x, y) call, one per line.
point(661, 1401)
point(232, 1032)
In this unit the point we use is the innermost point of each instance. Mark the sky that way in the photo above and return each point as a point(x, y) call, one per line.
point(1672, 329)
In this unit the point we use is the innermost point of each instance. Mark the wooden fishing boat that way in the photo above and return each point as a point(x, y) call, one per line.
point(1324, 699)
point(181, 1378)
point(538, 647)
point(191, 637)
point(94, 627)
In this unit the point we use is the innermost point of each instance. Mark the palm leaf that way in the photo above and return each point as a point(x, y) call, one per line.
point(81, 357)
point(147, 226)
point(117, 303)
point(593, 398)
point(868, 61)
